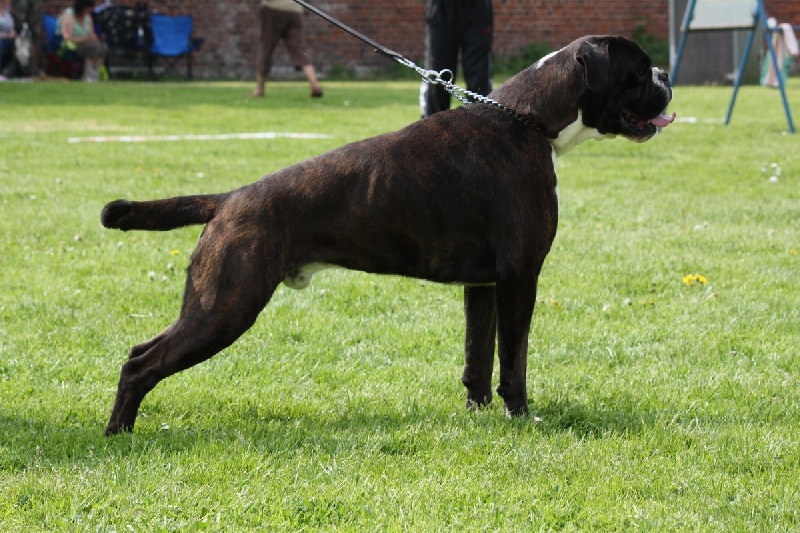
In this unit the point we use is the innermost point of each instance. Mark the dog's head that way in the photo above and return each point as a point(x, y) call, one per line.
point(626, 95)
point(596, 87)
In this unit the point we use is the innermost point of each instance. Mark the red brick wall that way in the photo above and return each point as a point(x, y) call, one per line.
point(230, 28)
point(400, 24)
point(519, 22)
point(784, 10)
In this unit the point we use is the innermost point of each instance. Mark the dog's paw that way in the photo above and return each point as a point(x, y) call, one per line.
point(477, 405)
point(517, 411)
point(112, 430)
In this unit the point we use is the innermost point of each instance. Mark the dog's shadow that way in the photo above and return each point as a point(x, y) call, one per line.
point(30, 443)
point(560, 416)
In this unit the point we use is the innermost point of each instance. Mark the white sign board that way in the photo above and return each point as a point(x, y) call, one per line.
point(723, 14)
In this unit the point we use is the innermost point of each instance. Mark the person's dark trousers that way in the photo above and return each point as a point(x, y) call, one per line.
point(453, 26)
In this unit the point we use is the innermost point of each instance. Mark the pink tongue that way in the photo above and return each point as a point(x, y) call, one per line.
point(662, 120)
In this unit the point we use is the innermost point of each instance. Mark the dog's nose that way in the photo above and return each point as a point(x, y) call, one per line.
point(662, 76)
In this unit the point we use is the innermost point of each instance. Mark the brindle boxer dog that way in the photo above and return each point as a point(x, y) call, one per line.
point(466, 196)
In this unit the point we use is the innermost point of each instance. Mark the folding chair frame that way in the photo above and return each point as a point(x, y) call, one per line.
point(171, 60)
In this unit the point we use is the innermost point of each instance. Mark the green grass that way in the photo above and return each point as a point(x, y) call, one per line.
point(664, 406)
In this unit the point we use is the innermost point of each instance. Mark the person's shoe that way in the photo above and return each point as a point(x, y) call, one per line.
point(316, 93)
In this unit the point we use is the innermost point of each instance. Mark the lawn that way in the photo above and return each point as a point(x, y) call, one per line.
point(664, 355)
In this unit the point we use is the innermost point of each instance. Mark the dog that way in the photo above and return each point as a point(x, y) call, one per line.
point(467, 196)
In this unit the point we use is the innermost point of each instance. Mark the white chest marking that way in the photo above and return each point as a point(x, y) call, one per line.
point(575, 134)
point(555, 170)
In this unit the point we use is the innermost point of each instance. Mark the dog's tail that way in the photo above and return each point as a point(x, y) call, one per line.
point(160, 215)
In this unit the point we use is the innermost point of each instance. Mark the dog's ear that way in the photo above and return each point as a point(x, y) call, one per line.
point(594, 59)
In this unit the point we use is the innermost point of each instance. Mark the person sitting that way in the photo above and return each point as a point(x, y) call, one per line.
point(76, 27)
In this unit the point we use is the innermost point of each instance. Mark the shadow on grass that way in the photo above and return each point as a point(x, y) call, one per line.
point(590, 422)
point(374, 428)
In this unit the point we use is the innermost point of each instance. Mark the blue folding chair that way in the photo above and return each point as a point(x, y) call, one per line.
point(172, 40)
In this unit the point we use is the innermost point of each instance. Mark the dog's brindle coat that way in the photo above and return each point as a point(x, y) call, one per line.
point(466, 196)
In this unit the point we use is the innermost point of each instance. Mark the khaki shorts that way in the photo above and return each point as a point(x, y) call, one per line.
point(280, 26)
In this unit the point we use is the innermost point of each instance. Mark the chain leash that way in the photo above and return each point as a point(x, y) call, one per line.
point(445, 79)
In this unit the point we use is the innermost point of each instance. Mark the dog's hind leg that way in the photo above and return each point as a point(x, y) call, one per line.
point(481, 313)
point(216, 311)
point(139, 349)
point(192, 339)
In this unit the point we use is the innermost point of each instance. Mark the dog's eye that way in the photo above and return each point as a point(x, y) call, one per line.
point(643, 72)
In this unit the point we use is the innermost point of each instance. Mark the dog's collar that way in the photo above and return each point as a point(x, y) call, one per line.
point(537, 126)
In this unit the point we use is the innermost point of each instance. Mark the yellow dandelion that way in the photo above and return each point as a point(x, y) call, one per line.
point(690, 279)
point(793, 251)
point(174, 252)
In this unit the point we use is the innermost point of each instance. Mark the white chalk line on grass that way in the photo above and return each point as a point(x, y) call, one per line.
point(200, 137)
point(253, 136)
point(696, 120)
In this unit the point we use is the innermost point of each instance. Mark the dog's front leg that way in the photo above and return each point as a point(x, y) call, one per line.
point(515, 302)
point(481, 313)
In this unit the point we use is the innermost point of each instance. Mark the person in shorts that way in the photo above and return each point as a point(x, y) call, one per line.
point(282, 20)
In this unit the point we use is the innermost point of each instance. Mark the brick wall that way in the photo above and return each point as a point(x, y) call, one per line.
point(400, 24)
point(784, 10)
point(230, 28)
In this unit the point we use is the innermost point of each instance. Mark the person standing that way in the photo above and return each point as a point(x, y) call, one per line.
point(453, 26)
point(77, 28)
point(283, 20)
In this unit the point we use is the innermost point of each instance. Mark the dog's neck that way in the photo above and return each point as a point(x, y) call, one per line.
point(575, 134)
point(547, 95)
